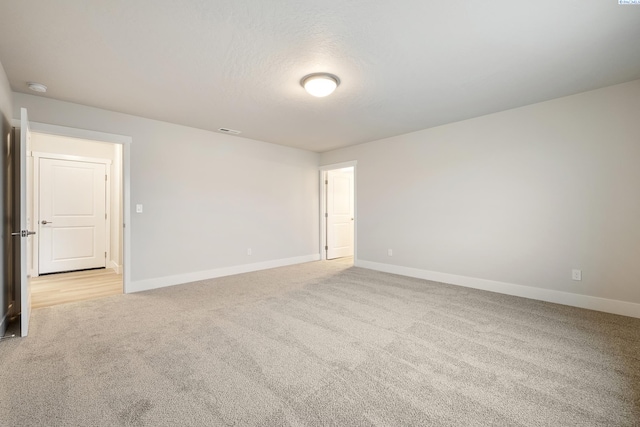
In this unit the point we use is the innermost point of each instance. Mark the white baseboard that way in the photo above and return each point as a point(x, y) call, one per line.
point(117, 268)
point(161, 282)
point(559, 297)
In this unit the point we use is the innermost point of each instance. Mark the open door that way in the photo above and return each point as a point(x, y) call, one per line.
point(340, 213)
point(21, 224)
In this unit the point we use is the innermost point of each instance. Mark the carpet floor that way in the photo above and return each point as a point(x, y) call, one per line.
point(321, 344)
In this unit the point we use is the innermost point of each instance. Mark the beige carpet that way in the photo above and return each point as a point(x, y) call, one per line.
point(321, 344)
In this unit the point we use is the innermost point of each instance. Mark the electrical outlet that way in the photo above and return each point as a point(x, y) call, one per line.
point(249, 251)
point(390, 252)
point(576, 274)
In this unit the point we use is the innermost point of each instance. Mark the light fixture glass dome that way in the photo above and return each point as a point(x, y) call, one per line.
point(320, 84)
point(37, 87)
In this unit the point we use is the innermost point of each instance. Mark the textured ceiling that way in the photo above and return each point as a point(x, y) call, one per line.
point(404, 65)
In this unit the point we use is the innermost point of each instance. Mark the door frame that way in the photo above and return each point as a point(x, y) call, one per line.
point(125, 141)
point(323, 206)
point(35, 203)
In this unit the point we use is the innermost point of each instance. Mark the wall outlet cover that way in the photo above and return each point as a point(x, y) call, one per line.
point(576, 274)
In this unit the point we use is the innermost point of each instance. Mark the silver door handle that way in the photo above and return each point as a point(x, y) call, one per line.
point(23, 233)
point(45, 222)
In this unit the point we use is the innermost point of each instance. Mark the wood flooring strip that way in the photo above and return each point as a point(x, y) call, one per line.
point(76, 286)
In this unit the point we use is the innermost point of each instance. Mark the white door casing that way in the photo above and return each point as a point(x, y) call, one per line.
point(72, 215)
point(125, 224)
point(340, 213)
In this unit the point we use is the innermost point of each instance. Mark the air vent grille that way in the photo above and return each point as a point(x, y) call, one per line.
point(231, 131)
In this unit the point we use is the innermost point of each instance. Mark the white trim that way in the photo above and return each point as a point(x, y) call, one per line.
point(559, 297)
point(71, 158)
point(117, 268)
point(323, 206)
point(322, 191)
point(161, 282)
point(126, 217)
point(80, 133)
point(126, 142)
point(338, 165)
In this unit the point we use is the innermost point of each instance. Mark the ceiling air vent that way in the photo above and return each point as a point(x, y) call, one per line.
point(231, 131)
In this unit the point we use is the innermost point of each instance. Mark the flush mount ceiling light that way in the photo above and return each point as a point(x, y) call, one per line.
point(320, 84)
point(37, 87)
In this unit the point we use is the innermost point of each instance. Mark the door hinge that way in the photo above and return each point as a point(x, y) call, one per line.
point(326, 215)
point(105, 177)
point(105, 254)
point(326, 182)
point(326, 248)
point(105, 216)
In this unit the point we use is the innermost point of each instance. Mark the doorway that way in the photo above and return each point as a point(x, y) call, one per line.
point(18, 210)
point(338, 225)
point(78, 210)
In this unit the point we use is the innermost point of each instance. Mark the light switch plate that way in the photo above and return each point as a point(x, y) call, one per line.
point(138, 208)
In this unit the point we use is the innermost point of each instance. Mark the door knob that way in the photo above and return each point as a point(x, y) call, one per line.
point(45, 222)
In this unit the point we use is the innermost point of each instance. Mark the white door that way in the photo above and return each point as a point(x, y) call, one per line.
point(21, 233)
point(72, 215)
point(340, 213)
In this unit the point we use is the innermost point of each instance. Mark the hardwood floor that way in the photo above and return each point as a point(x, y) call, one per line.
point(54, 289)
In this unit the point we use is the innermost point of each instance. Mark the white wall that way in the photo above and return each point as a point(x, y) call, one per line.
point(55, 144)
point(207, 197)
point(519, 197)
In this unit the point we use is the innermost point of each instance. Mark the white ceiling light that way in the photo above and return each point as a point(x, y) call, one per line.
point(37, 87)
point(320, 84)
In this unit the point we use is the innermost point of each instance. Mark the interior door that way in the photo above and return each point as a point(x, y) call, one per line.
point(21, 233)
point(72, 215)
point(340, 200)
